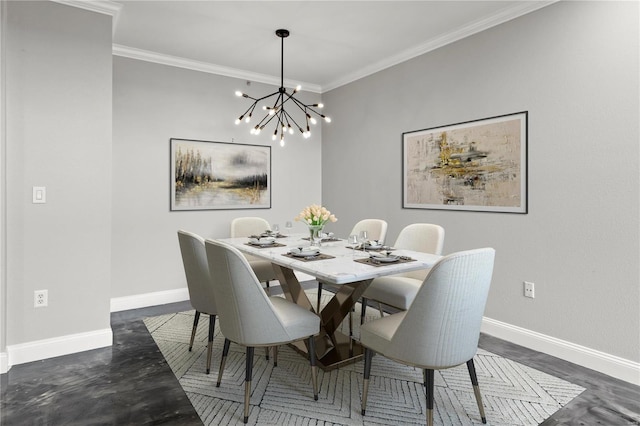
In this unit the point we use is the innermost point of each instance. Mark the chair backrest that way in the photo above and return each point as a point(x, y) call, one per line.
point(246, 314)
point(442, 326)
point(376, 228)
point(196, 268)
point(422, 237)
point(245, 226)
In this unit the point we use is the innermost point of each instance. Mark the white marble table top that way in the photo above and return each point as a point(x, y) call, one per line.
point(341, 269)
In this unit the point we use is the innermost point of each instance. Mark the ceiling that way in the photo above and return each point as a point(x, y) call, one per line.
point(331, 43)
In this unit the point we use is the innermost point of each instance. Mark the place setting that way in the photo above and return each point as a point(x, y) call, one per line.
point(383, 257)
point(307, 254)
point(324, 237)
point(362, 242)
point(273, 232)
point(265, 241)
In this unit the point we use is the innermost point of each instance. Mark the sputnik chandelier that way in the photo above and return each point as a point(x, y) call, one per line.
point(284, 121)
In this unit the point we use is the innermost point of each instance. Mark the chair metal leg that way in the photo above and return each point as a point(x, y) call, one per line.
point(196, 318)
point(225, 352)
point(429, 376)
point(212, 325)
point(314, 369)
point(351, 324)
point(476, 388)
point(247, 382)
point(319, 297)
point(380, 309)
point(363, 311)
point(275, 356)
point(368, 356)
point(266, 352)
point(268, 290)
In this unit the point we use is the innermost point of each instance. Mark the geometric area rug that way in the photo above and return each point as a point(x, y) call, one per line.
point(513, 394)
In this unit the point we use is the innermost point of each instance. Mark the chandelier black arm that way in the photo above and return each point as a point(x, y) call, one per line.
point(251, 108)
point(304, 108)
point(294, 121)
point(268, 116)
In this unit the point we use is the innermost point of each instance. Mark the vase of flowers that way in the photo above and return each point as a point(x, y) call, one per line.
point(315, 217)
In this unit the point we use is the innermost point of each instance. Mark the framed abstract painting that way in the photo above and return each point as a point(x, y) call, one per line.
point(219, 175)
point(478, 165)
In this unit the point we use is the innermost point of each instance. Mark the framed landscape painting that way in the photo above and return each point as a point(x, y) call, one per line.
point(478, 165)
point(218, 175)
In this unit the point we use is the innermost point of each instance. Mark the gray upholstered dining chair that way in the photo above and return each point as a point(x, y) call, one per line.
point(244, 227)
point(399, 290)
point(376, 230)
point(441, 328)
point(201, 296)
point(249, 317)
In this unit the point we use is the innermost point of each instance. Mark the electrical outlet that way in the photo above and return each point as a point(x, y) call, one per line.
point(529, 289)
point(40, 298)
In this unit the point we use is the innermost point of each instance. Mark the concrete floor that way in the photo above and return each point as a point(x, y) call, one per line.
point(130, 383)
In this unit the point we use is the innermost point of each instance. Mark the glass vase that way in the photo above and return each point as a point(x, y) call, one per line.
point(314, 234)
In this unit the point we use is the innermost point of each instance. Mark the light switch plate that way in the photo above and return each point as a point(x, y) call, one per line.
point(39, 195)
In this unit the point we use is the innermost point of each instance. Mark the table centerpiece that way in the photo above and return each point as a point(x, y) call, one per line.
point(315, 217)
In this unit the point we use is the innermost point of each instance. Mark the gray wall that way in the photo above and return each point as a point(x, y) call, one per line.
point(58, 135)
point(574, 67)
point(153, 103)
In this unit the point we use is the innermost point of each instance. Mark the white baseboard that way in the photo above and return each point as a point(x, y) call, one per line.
point(4, 362)
point(611, 365)
point(149, 299)
point(58, 346)
point(138, 301)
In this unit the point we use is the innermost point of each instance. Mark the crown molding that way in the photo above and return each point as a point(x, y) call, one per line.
point(106, 7)
point(175, 61)
point(520, 9)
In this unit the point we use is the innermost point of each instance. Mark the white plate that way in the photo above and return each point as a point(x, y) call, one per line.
point(304, 253)
point(385, 259)
point(262, 242)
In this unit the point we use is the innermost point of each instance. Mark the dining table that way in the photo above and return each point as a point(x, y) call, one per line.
point(346, 268)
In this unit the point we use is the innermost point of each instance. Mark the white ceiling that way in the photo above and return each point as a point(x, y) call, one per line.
point(331, 42)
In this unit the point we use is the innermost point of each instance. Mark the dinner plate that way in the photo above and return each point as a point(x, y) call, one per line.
point(304, 253)
point(385, 259)
point(262, 242)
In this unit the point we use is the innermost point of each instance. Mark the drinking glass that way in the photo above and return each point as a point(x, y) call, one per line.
point(289, 226)
point(353, 242)
point(275, 228)
point(363, 237)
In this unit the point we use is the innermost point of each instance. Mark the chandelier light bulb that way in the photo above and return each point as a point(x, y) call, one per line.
point(327, 119)
point(238, 120)
point(320, 105)
point(313, 120)
point(248, 119)
point(281, 142)
point(298, 88)
point(238, 93)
